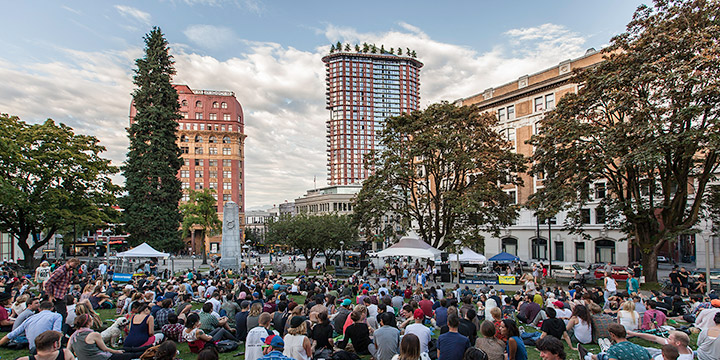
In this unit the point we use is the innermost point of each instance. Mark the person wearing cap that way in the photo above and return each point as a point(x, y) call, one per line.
point(273, 348)
point(342, 315)
point(420, 330)
point(298, 345)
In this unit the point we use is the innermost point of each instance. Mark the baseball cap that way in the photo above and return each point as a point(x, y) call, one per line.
point(715, 302)
point(559, 304)
point(296, 321)
point(242, 295)
point(256, 294)
point(418, 314)
point(347, 302)
point(365, 291)
point(274, 341)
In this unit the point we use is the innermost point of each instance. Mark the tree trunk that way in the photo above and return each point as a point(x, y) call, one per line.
point(204, 251)
point(649, 263)
point(308, 262)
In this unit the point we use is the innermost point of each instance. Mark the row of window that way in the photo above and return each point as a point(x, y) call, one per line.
point(202, 127)
point(212, 162)
point(604, 250)
point(212, 116)
point(211, 185)
point(540, 103)
point(199, 104)
point(212, 150)
point(213, 174)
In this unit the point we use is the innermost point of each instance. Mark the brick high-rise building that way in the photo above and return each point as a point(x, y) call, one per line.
point(211, 137)
point(363, 89)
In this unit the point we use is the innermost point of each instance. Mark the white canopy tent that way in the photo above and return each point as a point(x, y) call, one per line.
point(143, 251)
point(468, 256)
point(411, 246)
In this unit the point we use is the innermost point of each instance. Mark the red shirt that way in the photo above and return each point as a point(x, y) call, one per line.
point(426, 306)
point(408, 293)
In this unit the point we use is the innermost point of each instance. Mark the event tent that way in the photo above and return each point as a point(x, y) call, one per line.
point(468, 256)
point(142, 251)
point(410, 246)
point(504, 257)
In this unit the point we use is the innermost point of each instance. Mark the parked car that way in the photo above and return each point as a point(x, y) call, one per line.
point(618, 272)
point(568, 271)
point(663, 259)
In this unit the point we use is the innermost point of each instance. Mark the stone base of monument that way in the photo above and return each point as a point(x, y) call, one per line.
point(230, 249)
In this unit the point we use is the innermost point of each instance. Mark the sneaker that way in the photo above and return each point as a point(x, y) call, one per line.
point(522, 329)
point(588, 356)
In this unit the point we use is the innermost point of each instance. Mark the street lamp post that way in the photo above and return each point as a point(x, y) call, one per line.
point(706, 236)
point(342, 250)
point(457, 251)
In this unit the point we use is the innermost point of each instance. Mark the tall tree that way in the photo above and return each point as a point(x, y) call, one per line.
point(646, 122)
point(153, 188)
point(50, 178)
point(442, 169)
point(339, 232)
point(201, 211)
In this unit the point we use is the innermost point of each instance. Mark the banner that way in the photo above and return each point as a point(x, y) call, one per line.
point(507, 279)
point(478, 282)
point(120, 277)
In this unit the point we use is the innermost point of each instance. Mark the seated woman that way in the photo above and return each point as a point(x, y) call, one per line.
point(493, 347)
point(100, 300)
point(142, 325)
point(581, 325)
point(358, 333)
point(196, 338)
point(84, 308)
point(87, 344)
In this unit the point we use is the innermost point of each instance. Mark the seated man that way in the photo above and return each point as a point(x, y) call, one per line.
point(678, 339)
point(45, 320)
point(653, 318)
point(622, 348)
point(48, 345)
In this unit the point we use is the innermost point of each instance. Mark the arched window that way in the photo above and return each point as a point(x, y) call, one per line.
point(509, 245)
point(198, 139)
point(539, 249)
point(184, 138)
point(215, 105)
point(223, 105)
point(212, 140)
point(198, 104)
point(605, 251)
point(226, 140)
point(183, 103)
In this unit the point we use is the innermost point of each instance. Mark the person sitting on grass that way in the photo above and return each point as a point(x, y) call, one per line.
point(622, 348)
point(552, 326)
point(173, 330)
point(515, 347)
point(493, 347)
point(87, 344)
point(49, 347)
point(358, 333)
point(678, 339)
point(551, 348)
point(45, 320)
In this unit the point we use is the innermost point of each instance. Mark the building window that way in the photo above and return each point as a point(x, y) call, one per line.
point(199, 162)
point(579, 252)
point(226, 117)
point(605, 251)
point(559, 251)
point(198, 139)
point(511, 112)
point(227, 197)
point(539, 104)
point(184, 114)
point(198, 104)
point(509, 136)
point(185, 197)
point(213, 174)
point(227, 151)
point(509, 245)
point(539, 249)
point(198, 173)
point(226, 140)
point(198, 150)
point(186, 162)
point(198, 186)
point(550, 101)
point(227, 174)
point(223, 105)
point(600, 190)
point(185, 185)
point(183, 103)
point(585, 216)
point(212, 140)
point(501, 114)
point(213, 150)
point(212, 185)
point(212, 162)
point(213, 116)
point(600, 215)
point(184, 173)
point(184, 138)
point(227, 163)
point(198, 115)
point(513, 196)
point(227, 186)
point(184, 150)
point(215, 105)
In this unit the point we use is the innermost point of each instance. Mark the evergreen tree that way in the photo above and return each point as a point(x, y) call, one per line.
point(332, 49)
point(357, 48)
point(399, 51)
point(347, 47)
point(338, 46)
point(366, 47)
point(153, 188)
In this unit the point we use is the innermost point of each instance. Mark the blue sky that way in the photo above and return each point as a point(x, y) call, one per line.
point(73, 60)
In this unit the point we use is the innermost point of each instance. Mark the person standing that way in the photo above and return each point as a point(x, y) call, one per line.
point(57, 285)
point(42, 273)
point(610, 287)
point(675, 280)
point(684, 287)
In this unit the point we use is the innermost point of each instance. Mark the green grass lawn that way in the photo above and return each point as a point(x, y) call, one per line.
point(185, 353)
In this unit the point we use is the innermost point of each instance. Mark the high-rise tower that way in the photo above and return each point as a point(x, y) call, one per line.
point(363, 89)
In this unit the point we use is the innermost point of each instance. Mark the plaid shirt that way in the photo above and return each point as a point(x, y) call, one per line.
point(602, 322)
point(59, 282)
point(701, 306)
point(161, 316)
point(275, 355)
point(173, 331)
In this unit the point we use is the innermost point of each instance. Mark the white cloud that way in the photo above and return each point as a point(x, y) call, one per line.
point(131, 12)
point(210, 36)
point(281, 90)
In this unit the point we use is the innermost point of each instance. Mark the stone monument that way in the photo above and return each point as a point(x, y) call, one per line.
point(231, 247)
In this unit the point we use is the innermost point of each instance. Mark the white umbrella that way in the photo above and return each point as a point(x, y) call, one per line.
point(410, 246)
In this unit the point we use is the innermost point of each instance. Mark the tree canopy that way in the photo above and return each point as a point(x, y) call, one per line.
point(646, 122)
point(153, 160)
point(50, 178)
point(441, 169)
point(201, 211)
point(313, 234)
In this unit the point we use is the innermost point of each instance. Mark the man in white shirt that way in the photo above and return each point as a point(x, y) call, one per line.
point(371, 308)
point(705, 317)
point(253, 341)
point(421, 331)
point(678, 339)
point(215, 301)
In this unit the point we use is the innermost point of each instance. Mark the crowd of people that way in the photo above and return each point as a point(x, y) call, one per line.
point(404, 315)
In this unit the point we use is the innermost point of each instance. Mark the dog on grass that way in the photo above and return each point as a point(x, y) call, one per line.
point(111, 335)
